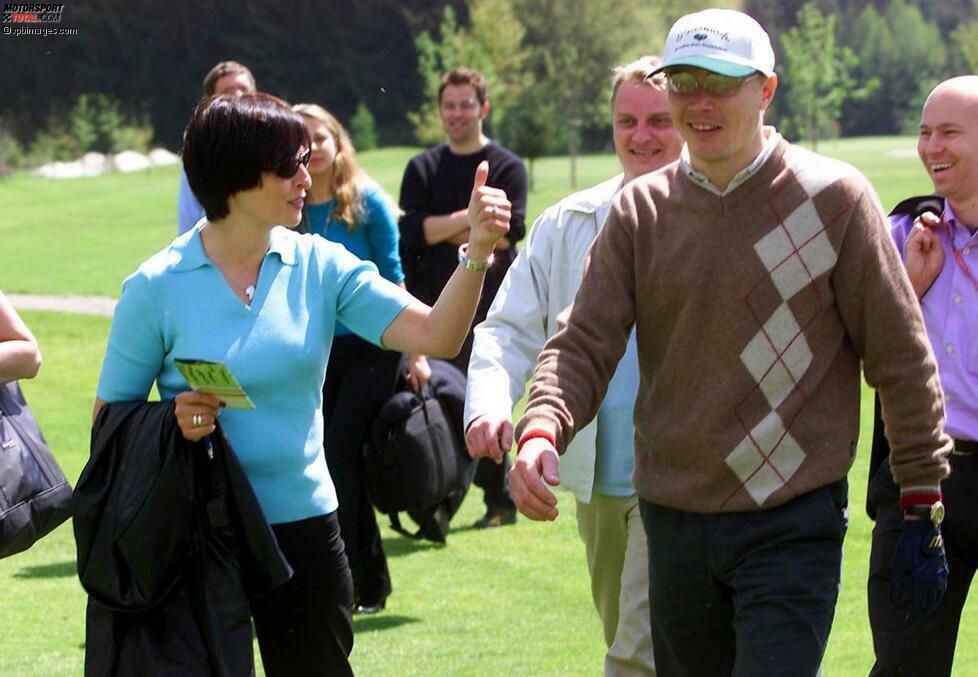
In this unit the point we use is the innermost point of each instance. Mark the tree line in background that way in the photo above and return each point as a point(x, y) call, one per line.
point(548, 64)
point(859, 68)
point(847, 67)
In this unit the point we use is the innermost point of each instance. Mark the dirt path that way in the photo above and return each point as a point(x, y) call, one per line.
point(85, 305)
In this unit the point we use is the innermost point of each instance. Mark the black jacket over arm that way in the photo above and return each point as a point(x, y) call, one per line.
point(171, 543)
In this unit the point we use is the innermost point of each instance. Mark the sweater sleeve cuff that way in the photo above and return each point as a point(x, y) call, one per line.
point(919, 495)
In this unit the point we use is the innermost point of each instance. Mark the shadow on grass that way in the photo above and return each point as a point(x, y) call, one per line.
point(381, 622)
point(471, 527)
point(464, 528)
point(59, 570)
point(399, 546)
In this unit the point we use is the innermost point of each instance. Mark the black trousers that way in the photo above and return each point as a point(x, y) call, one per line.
point(925, 648)
point(745, 593)
point(360, 378)
point(492, 478)
point(305, 627)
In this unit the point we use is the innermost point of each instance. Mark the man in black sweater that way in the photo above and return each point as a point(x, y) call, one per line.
point(435, 192)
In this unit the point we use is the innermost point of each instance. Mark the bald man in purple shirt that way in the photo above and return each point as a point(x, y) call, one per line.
point(938, 237)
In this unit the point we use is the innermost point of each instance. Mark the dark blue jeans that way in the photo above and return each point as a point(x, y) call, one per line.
point(745, 593)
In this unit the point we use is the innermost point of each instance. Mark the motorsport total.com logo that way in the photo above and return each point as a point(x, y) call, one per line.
point(32, 13)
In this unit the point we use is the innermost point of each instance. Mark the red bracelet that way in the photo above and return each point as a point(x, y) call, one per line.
point(533, 434)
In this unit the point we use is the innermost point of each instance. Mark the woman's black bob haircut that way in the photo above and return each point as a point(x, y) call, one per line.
point(231, 140)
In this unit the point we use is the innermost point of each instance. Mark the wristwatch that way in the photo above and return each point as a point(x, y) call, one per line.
point(933, 512)
point(469, 264)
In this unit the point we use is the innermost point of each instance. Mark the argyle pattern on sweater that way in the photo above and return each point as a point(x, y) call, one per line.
point(796, 252)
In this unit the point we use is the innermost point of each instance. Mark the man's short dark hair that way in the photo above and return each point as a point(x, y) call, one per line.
point(465, 76)
point(222, 69)
point(232, 140)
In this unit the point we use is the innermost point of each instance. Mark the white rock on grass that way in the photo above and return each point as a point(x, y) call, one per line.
point(130, 161)
point(93, 164)
point(159, 157)
point(61, 170)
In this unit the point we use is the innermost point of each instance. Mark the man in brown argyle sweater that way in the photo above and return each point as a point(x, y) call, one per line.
point(757, 276)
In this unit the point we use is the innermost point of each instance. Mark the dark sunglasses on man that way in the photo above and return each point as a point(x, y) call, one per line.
point(687, 83)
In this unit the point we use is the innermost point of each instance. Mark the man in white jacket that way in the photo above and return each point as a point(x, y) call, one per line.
point(597, 467)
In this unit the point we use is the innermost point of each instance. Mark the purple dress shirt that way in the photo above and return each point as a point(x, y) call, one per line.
point(950, 309)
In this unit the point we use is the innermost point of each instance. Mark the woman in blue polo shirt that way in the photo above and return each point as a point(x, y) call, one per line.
point(266, 301)
point(344, 206)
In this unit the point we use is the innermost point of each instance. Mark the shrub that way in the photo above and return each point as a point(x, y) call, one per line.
point(137, 137)
point(363, 128)
point(54, 142)
point(10, 151)
point(94, 123)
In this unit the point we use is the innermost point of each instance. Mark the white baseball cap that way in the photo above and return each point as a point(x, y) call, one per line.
point(723, 41)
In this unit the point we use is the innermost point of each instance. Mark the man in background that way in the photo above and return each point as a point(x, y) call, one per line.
point(435, 192)
point(227, 77)
point(938, 238)
point(598, 465)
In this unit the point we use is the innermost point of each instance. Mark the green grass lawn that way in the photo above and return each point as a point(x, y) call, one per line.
point(509, 601)
point(456, 610)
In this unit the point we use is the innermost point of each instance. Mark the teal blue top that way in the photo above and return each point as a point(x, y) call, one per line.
point(178, 305)
point(375, 237)
point(615, 459)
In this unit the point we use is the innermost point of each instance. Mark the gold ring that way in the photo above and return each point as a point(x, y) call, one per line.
point(197, 420)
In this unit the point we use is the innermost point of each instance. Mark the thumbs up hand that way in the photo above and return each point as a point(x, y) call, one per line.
point(489, 214)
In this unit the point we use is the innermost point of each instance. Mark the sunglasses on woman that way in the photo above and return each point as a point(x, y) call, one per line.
point(685, 83)
point(287, 168)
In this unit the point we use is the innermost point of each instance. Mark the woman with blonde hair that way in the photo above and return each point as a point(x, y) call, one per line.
point(345, 206)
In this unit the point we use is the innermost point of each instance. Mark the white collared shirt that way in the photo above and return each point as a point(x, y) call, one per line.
point(771, 139)
point(541, 283)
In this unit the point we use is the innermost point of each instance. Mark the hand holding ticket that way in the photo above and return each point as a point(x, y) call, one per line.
point(215, 379)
